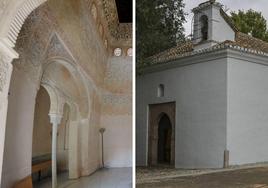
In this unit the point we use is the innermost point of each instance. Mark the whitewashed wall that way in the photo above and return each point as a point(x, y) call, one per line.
point(247, 116)
point(199, 91)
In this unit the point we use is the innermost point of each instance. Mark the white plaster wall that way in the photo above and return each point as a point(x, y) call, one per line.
point(216, 25)
point(199, 91)
point(19, 130)
point(247, 112)
point(221, 30)
point(117, 140)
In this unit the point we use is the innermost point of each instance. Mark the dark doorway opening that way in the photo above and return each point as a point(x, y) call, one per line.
point(164, 140)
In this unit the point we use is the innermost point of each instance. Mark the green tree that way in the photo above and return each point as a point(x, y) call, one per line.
point(159, 26)
point(251, 22)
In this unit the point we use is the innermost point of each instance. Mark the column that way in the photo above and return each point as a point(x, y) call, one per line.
point(6, 56)
point(55, 120)
point(73, 150)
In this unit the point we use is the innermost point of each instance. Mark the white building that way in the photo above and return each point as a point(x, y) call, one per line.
point(204, 103)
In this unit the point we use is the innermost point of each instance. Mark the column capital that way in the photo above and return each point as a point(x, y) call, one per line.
point(55, 118)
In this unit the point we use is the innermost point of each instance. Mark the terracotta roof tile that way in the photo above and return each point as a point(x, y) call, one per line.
point(250, 42)
point(186, 49)
point(173, 52)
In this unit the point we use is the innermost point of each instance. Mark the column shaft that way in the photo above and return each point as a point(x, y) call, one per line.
point(54, 155)
point(6, 57)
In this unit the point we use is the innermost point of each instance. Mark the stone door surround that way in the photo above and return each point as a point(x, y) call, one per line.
point(156, 111)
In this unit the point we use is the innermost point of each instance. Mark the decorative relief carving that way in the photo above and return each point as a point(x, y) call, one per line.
point(3, 5)
point(119, 70)
point(35, 43)
point(106, 43)
point(33, 72)
point(129, 52)
point(4, 66)
point(101, 30)
point(116, 104)
point(18, 20)
point(118, 76)
point(94, 11)
point(117, 52)
point(34, 35)
point(116, 99)
point(56, 49)
point(120, 31)
point(117, 31)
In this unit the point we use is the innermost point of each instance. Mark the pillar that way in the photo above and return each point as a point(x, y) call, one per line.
point(55, 120)
point(74, 171)
point(7, 54)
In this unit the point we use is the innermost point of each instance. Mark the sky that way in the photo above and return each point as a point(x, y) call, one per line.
point(232, 5)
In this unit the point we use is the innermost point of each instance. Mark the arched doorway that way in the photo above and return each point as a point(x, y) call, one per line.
point(42, 138)
point(161, 135)
point(41, 143)
point(164, 140)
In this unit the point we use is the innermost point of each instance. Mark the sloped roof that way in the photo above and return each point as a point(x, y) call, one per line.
point(172, 53)
point(242, 42)
point(250, 42)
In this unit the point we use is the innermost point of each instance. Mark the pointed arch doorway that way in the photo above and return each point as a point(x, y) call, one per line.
point(161, 143)
point(164, 140)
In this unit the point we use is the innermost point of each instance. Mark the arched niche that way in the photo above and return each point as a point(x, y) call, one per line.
point(204, 27)
point(161, 90)
point(42, 132)
point(16, 12)
point(42, 127)
point(68, 80)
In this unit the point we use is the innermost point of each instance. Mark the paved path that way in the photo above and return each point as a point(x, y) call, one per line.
point(245, 178)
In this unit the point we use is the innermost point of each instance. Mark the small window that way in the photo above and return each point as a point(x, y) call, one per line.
point(204, 27)
point(161, 90)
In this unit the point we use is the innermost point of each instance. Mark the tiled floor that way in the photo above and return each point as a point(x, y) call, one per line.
point(104, 178)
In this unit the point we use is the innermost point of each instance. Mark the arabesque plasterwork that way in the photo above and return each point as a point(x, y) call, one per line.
point(4, 66)
point(3, 5)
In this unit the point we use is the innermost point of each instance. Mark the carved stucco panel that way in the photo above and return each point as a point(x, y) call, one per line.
point(94, 11)
point(56, 49)
point(4, 66)
point(116, 104)
point(32, 71)
point(3, 4)
point(118, 77)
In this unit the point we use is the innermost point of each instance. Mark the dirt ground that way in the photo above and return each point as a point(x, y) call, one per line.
point(247, 178)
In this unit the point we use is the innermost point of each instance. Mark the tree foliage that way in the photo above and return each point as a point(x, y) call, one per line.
point(159, 25)
point(251, 22)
